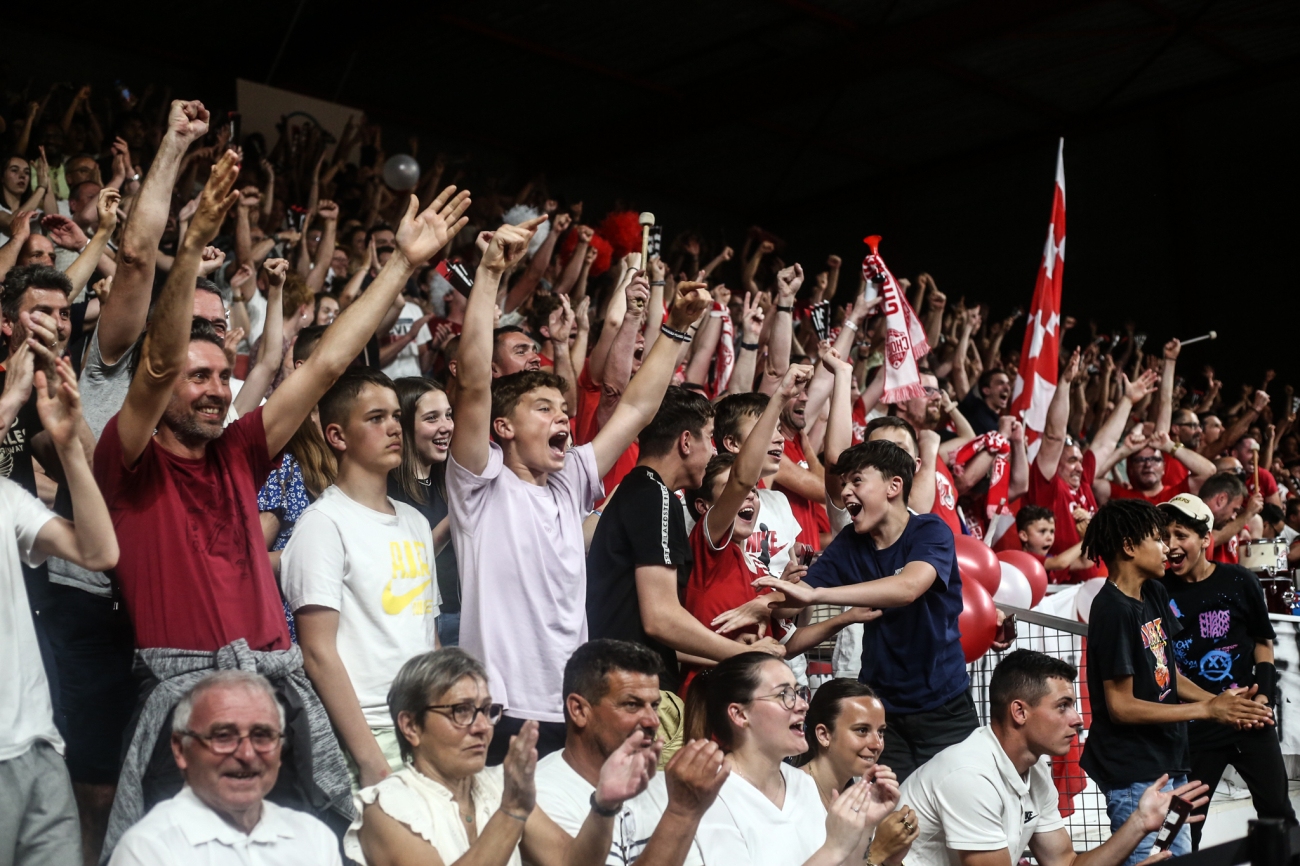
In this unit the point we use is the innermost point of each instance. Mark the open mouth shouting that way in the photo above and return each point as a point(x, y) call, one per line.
point(1175, 559)
point(747, 513)
point(853, 507)
point(558, 443)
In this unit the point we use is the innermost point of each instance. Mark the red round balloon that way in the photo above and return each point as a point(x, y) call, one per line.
point(977, 562)
point(1033, 569)
point(978, 621)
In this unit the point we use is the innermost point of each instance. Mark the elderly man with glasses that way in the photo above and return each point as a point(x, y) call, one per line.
point(226, 738)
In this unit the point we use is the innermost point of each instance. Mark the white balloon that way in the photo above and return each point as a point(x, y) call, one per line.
point(401, 172)
point(1087, 592)
point(1014, 589)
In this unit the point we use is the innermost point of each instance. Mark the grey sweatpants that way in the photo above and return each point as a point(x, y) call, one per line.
point(38, 815)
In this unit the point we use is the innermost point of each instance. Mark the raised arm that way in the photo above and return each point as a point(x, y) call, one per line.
point(960, 380)
point(270, 354)
point(329, 212)
point(569, 276)
point(615, 311)
point(705, 342)
point(621, 352)
point(527, 283)
point(788, 281)
point(748, 467)
point(646, 390)
point(166, 343)
point(1165, 409)
point(124, 313)
point(419, 237)
point(469, 443)
point(1131, 393)
point(839, 424)
point(81, 270)
point(751, 325)
point(88, 539)
point(1058, 415)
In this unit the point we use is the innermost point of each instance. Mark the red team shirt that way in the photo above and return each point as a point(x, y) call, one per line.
point(945, 497)
point(811, 516)
point(204, 580)
point(1055, 494)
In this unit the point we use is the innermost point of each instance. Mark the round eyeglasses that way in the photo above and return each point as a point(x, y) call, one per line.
point(789, 696)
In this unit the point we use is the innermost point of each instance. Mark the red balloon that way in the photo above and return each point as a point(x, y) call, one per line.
point(978, 621)
point(1033, 569)
point(978, 563)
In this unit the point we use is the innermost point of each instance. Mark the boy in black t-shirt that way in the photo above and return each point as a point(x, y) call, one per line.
point(1226, 643)
point(1139, 731)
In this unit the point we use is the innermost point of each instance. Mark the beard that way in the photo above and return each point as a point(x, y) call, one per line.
point(188, 426)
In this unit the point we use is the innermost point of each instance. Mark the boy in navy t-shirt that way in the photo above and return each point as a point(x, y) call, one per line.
point(904, 563)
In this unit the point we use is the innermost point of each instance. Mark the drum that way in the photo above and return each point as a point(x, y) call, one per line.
point(1264, 555)
point(1279, 594)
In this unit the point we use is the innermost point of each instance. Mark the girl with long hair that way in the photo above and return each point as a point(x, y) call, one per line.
point(427, 426)
point(768, 812)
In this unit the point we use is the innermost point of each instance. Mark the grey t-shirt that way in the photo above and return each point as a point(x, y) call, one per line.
point(103, 391)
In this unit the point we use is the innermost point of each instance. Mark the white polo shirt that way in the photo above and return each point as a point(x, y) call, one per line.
point(969, 797)
point(184, 830)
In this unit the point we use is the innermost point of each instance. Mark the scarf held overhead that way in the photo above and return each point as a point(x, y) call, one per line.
point(904, 338)
point(999, 447)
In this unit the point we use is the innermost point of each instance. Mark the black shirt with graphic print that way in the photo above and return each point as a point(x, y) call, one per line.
point(644, 523)
point(1132, 638)
point(1223, 617)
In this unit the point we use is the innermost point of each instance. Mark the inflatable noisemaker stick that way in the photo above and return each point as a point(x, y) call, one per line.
point(647, 220)
point(1254, 447)
point(1210, 336)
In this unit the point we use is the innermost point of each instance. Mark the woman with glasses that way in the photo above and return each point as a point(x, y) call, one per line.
point(445, 805)
point(768, 812)
point(845, 730)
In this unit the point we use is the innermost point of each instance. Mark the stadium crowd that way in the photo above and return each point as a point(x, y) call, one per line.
point(424, 526)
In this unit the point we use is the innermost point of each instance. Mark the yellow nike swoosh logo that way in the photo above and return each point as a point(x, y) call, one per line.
point(395, 604)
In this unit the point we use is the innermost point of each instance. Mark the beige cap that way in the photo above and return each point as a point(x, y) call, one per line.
point(1191, 506)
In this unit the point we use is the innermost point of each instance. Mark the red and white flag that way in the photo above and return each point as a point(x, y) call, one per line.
point(905, 338)
point(1039, 356)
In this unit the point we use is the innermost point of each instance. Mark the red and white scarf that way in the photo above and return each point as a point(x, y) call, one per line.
point(999, 447)
point(904, 338)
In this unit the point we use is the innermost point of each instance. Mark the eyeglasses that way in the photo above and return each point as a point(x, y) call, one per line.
point(465, 714)
point(1190, 425)
point(931, 392)
point(789, 696)
point(1155, 458)
point(263, 740)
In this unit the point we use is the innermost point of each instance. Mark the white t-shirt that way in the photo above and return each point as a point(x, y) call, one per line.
point(256, 307)
point(743, 826)
point(184, 830)
point(565, 797)
point(407, 362)
point(377, 571)
point(780, 535)
point(969, 797)
point(523, 570)
point(26, 714)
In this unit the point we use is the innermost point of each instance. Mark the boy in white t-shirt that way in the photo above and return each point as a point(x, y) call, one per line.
point(518, 495)
point(358, 573)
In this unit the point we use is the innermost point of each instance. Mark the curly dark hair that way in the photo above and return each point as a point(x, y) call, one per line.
point(1120, 522)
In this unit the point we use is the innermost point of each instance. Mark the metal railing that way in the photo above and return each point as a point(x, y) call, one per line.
point(1082, 805)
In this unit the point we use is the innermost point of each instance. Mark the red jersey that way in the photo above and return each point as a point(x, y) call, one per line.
point(584, 419)
point(625, 463)
point(197, 576)
point(945, 497)
point(721, 580)
point(1055, 494)
point(1227, 553)
point(1175, 472)
point(1168, 492)
point(812, 516)
point(1267, 484)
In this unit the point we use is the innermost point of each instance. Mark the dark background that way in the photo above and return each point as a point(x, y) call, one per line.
point(931, 122)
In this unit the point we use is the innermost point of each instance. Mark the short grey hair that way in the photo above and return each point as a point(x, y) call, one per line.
point(222, 679)
point(423, 680)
